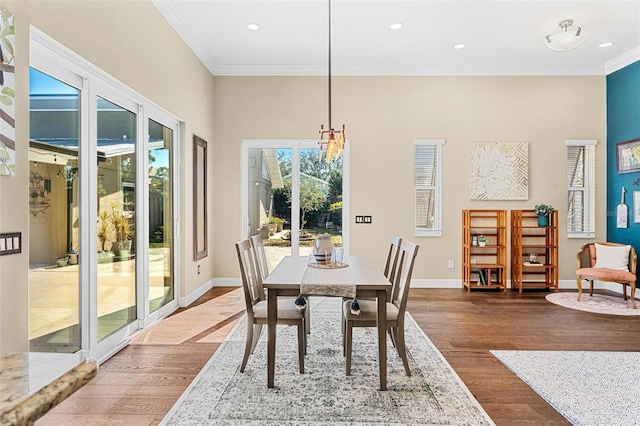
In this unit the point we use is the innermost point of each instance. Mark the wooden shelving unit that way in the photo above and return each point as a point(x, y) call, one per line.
point(491, 258)
point(528, 238)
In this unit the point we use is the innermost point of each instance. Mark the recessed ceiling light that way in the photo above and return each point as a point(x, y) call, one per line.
point(460, 46)
point(607, 44)
point(253, 27)
point(396, 26)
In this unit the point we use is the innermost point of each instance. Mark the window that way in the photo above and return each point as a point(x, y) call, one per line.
point(581, 174)
point(427, 181)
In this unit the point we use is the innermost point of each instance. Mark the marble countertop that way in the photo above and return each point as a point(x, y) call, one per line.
point(33, 383)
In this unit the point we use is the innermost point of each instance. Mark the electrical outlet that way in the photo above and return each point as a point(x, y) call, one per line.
point(359, 219)
point(451, 264)
point(367, 219)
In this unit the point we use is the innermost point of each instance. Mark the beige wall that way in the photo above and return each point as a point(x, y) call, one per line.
point(383, 116)
point(133, 42)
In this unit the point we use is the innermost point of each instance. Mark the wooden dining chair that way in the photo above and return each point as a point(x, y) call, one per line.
point(390, 268)
point(263, 272)
point(392, 264)
point(396, 309)
point(256, 306)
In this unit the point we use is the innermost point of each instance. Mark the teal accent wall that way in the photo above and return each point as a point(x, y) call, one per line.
point(623, 124)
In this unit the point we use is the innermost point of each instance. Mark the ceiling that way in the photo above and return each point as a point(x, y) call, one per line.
point(502, 37)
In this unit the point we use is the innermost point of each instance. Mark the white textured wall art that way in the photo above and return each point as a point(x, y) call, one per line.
point(499, 171)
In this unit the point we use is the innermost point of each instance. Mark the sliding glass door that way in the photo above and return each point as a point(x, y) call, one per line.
point(291, 195)
point(54, 247)
point(102, 196)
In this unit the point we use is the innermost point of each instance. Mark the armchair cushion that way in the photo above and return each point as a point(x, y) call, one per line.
point(605, 274)
point(612, 257)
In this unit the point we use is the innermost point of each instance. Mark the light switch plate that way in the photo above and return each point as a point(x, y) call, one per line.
point(10, 243)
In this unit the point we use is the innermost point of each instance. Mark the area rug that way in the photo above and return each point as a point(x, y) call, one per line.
point(221, 395)
point(586, 387)
point(598, 303)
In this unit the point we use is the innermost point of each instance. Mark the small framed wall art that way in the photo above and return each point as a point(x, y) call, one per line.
point(628, 156)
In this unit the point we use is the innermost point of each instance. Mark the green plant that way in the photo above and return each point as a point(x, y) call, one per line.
point(121, 224)
point(482, 239)
point(543, 210)
point(103, 228)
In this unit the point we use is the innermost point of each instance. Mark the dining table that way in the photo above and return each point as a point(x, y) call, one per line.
point(356, 277)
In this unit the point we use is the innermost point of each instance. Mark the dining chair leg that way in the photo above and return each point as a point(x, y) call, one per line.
point(348, 338)
point(248, 346)
point(624, 291)
point(402, 349)
point(307, 318)
point(257, 331)
point(590, 287)
point(392, 335)
point(344, 336)
point(301, 346)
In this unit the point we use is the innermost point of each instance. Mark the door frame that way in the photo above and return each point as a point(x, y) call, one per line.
point(295, 145)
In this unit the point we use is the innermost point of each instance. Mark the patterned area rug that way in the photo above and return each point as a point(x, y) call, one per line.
point(221, 395)
point(598, 303)
point(588, 388)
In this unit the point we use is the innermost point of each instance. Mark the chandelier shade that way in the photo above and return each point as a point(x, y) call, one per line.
point(566, 37)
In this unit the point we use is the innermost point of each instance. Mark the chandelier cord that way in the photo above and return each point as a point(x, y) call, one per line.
point(330, 128)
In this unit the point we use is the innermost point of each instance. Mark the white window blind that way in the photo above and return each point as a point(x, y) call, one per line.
point(427, 180)
point(581, 174)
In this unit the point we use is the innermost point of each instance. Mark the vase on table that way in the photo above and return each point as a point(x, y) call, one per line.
point(322, 248)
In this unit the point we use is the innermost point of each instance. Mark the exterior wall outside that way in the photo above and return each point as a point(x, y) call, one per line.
point(383, 116)
point(623, 124)
point(132, 42)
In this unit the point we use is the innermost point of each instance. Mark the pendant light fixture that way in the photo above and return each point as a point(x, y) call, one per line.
point(334, 142)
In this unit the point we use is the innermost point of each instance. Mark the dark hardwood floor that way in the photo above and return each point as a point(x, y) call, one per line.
point(140, 384)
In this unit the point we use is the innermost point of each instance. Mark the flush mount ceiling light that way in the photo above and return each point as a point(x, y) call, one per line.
point(566, 37)
point(460, 46)
point(253, 27)
point(396, 26)
point(334, 143)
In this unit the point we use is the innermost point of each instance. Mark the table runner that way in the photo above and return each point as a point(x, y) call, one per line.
point(328, 282)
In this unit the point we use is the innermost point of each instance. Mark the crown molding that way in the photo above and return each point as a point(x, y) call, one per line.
point(405, 70)
point(622, 61)
point(175, 20)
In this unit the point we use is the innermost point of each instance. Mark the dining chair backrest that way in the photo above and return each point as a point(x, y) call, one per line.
point(408, 253)
point(391, 266)
point(250, 277)
point(261, 257)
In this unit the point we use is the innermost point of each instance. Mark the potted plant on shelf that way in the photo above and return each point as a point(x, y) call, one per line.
point(482, 240)
point(543, 211)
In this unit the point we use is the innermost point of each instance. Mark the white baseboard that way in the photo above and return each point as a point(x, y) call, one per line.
point(562, 284)
point(185, 301)
point(415, 283)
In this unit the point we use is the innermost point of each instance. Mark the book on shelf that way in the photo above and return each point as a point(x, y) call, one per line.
point(484, 276)
point(481, 278)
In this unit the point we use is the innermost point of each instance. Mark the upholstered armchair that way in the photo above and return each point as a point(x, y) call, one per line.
point(610, 262)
